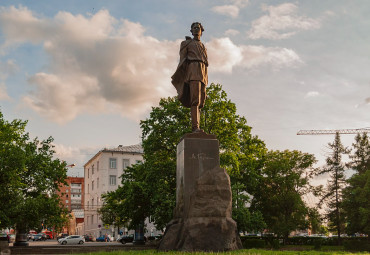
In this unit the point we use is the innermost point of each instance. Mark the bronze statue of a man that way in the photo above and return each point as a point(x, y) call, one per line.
point(191, 76)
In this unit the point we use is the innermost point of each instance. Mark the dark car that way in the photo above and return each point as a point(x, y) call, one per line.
point(103, 238)
point(4, 237)
point(126, 239)
point(39, 237)
point(29, 237)
point(62, 235)
point(88, 238)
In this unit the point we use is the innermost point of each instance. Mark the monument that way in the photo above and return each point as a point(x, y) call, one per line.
point(202, 217)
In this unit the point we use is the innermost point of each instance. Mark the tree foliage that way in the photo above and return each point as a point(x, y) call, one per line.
point(356, 196)
point(332, 194)
point(29, 178)
point(149, 189)
point(284, 180)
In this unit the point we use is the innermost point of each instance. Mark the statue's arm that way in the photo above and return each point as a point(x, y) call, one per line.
point(183, 51)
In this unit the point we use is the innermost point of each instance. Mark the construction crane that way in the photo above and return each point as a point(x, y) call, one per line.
point(333, 131)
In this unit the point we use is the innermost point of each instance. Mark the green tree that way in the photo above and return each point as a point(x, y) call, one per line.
point(315, 221)
point(332, 194)
point(109, 213)
point(356, 196)
point(284, 180)
point(150, 188)
point(29, 178)
point(250, 221)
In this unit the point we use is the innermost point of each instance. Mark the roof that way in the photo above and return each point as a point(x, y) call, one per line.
point(132, 149)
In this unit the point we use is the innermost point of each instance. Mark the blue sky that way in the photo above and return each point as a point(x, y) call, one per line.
point(85, 72)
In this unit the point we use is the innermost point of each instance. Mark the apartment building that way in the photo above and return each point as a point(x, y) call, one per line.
point(72, 194)
point(102, 174)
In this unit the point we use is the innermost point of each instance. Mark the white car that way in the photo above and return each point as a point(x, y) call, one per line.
point(72, 240)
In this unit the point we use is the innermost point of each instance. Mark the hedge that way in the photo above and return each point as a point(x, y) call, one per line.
point(350, 243)
point(357, 245)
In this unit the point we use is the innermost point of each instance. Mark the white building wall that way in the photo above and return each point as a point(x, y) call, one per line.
point(97, 182)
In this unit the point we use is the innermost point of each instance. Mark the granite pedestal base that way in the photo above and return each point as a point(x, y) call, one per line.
point(202, 217)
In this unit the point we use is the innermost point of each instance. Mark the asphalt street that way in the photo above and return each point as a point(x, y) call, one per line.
point(55, 243)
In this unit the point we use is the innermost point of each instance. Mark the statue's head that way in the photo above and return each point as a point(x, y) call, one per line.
point(196, 29)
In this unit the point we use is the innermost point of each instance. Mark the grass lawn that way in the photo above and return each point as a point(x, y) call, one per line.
point(239, 252)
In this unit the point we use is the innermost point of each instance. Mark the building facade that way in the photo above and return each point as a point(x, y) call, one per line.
point(103, 174)
point(72, 194)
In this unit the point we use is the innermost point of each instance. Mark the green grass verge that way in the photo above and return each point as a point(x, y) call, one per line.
point(239, 252)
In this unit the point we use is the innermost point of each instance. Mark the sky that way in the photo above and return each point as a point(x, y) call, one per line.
point(86, 72)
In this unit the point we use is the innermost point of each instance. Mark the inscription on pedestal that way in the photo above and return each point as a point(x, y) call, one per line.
point(196, 156)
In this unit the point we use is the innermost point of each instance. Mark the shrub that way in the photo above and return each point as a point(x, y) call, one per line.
point(357, 245)
point(317, 243)
point(254, 243)
point(275, 244)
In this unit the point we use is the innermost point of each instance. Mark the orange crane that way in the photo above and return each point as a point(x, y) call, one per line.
point(333, 131)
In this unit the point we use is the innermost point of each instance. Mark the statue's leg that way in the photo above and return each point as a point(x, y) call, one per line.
point(195, 94)
point(203, 96)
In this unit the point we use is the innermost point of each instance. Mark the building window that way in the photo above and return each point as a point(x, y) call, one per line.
point(92, 202)
point(66, 201)
point(97, 166)
point(92, 219)
point(112, 180)
point(75, 190)
point(97, 183)
point(126, 163)
point(92, 185)
point(92, 169)
point(88, 206)
point(138, 161)
point(88, 172)
point(112, 163)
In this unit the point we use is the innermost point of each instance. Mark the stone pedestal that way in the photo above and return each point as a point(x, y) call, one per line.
point(202, 217)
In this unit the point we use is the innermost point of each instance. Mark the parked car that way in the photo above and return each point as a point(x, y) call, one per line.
point(126, 239)
point(73, 239)
point(44, 236)
point(62, 235)
point(39, 237)
point(30, 237)
point(49, 234)
point(4, 237)
point(103, 238)
point(88, 238)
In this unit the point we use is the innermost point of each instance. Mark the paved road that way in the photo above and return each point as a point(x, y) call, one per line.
point(55, 243)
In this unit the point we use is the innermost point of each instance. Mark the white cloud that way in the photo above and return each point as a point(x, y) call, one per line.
point(3, 93)
point(224, 55)
point(100, 64)
point(240, 3)
point(281, 22)
point(6, 68)
point(75, 155)
point(231, 9)
point(97, 63)
point(312, 94)
point(228, 10)
point(231, 32)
